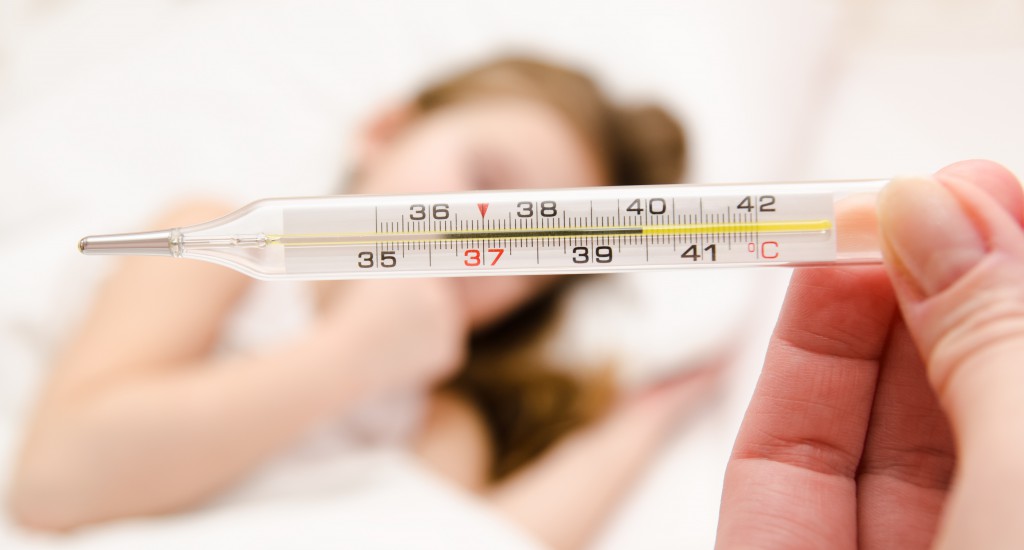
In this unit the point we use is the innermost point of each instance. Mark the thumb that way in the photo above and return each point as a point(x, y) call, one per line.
point(954, 246)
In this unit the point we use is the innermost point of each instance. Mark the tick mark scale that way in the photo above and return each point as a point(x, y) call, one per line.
point(574, 230)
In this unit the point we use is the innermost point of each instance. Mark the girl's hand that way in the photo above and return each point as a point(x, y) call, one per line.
point(399, 333)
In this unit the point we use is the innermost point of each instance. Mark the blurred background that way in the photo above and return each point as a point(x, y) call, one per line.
point(111, 109)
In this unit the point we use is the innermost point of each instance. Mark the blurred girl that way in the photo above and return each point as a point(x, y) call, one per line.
point(155, 407)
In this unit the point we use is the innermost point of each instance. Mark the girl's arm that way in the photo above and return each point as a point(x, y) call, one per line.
point(138, 420)
point(565, 497)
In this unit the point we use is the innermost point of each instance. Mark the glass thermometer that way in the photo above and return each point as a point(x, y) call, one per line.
point(537, 231)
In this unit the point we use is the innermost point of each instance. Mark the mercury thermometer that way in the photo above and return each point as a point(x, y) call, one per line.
point(513, 232)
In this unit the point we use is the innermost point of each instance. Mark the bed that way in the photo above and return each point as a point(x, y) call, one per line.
point(105, 104)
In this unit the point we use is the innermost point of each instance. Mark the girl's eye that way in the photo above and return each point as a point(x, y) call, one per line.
point(489, 171)
point(482, 179)
point(481, 171)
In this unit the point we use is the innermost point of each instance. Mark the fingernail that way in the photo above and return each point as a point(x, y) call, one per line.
point(928, 232)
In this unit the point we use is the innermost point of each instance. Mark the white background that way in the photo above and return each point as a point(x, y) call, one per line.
point(109, 109)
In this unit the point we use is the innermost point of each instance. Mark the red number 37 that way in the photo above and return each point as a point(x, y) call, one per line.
point(475, 257)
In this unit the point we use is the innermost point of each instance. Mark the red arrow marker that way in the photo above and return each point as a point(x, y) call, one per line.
point(483, 209)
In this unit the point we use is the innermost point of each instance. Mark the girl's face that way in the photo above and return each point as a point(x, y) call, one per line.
point(498, 143)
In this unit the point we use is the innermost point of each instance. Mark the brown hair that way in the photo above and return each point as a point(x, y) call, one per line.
point(637, 144)
point(527, 402)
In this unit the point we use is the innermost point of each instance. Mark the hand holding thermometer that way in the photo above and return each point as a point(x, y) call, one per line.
point(515, 232)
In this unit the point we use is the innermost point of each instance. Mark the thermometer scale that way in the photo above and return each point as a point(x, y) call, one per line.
point(575, 230)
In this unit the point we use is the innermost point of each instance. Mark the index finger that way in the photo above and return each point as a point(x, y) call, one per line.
point(791, 478)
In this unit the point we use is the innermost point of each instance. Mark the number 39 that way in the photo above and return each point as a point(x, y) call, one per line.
point(602, 255)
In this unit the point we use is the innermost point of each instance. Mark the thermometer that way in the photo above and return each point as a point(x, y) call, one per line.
point(535, 231)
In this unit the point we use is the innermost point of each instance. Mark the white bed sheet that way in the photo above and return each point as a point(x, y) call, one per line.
point(396, 504)
point(260, 101)
point(254, 101)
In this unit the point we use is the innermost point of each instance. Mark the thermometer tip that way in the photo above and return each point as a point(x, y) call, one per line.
point(153, 243)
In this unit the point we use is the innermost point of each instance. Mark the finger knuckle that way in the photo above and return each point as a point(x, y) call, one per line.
point(987, 323)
